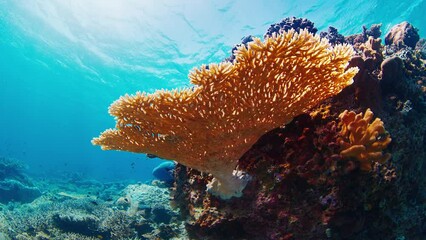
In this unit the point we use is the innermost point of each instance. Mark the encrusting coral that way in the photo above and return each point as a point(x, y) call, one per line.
point(210, 126)
point(363, 139)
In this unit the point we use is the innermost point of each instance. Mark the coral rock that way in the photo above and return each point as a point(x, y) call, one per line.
point(372, 48)
point(86, 224)
point(12, 190)
point(402, 33)
point(393, 76)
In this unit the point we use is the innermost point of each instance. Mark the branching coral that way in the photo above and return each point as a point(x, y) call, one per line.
point(362, 139)
point(210, 126)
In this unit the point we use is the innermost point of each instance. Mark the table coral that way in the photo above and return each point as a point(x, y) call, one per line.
point(208, 127)
point(363, 139)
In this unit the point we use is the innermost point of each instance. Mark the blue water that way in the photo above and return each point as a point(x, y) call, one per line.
point(62, 63)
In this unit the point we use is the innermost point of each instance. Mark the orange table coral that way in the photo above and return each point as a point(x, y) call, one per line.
point(209, 126)
point(363, 139)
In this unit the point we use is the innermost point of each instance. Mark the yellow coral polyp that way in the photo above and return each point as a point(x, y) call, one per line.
point(362, 139)
point(210, 126)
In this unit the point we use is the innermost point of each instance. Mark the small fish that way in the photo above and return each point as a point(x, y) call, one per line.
point(151, 155)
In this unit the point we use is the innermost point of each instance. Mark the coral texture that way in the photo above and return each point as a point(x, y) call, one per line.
point(333, 36)
point(403, 33)
point(363, 139)
point(15, 185)
point(357, 39)
point(210, 126)
point(288, 23)
point(141, 212)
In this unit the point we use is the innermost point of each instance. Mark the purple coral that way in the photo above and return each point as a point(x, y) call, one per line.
point(333, 36)
point(244, 42)
point(374, 31)
point(291, 23)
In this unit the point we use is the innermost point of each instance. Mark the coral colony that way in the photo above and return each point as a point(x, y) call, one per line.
point(211, 126)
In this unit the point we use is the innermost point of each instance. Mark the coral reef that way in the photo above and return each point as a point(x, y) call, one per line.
point(209, 127)
point(85, 216)
point(321, 173)
point(305, 187)
point(14, 184)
